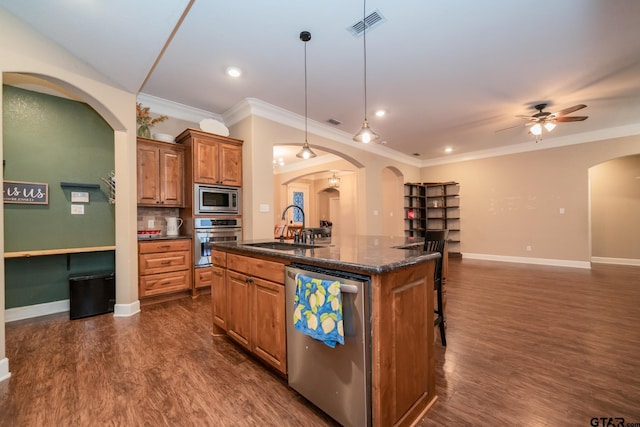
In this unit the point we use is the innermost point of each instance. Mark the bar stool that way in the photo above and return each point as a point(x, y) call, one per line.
point(435, 241)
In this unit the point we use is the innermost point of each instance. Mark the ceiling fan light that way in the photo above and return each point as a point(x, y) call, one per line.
point(536, 129)
point(306, 152)
point(549, 126)
point(366, 134)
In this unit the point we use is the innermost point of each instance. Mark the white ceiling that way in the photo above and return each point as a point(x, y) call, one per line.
point(449, 73)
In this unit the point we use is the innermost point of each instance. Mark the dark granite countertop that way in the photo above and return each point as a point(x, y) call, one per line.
point(150, 239)
point(369, 254)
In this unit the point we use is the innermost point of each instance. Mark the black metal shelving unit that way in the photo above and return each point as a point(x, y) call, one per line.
point(443, 210)
point(432, 206)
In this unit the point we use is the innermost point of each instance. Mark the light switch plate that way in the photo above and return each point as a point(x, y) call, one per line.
point(77, 209)
point(264, 207)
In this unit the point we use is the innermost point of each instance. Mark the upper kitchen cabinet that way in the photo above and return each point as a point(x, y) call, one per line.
point(160, 173)
point(216, 159)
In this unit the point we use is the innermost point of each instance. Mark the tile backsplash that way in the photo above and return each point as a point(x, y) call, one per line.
point(158, 216)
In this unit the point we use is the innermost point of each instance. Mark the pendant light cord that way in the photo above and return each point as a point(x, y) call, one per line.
point(364, 39)
point(305, 91)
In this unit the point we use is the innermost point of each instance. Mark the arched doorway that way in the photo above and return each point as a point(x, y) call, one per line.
point(614, 211)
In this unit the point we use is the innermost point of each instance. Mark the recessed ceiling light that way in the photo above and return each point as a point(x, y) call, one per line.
point(234, 71)
point(380, 113)
point(448, 150)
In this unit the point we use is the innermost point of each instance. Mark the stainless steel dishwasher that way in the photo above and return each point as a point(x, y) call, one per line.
point(336, 380)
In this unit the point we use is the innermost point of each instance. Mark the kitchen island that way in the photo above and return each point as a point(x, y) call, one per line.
point(248, 305)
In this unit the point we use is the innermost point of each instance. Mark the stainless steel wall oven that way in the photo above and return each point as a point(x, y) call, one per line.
point(210, 230)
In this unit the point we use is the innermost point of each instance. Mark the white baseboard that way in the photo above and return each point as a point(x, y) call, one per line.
point(617, 261)
point(37, 310)
point(29, 311)
point(4, 369)
point(126, 310)
point(527, 260)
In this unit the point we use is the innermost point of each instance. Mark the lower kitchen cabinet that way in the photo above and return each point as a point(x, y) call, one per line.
point(255, 308)
point(164, 267)
point(238, 306)
point(218, 290)
point(203, 277)
point(268, 327)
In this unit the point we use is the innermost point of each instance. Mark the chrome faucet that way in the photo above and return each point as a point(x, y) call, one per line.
point(302, 236)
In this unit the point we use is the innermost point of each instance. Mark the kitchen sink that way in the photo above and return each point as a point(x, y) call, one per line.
point(282, 246)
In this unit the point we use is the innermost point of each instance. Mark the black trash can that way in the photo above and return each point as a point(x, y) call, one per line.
point(91, 294)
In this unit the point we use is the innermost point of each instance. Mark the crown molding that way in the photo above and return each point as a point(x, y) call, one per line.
point(255, 107)
point(175, 109)
point(547, 143)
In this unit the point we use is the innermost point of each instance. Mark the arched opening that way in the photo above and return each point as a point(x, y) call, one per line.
point(117, 112)
point(308, 182)
point(614, 188)
point(392, 193)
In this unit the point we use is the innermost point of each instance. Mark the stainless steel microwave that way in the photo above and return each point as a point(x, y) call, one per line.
point(216, 199)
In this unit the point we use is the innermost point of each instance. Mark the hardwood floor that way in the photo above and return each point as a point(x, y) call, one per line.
point(526, 346)
point(538, 346)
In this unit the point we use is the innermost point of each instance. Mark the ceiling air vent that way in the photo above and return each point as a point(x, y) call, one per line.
point(372, 20)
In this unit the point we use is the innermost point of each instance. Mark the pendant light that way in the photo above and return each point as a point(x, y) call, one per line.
point(306, 152)
point(366, 134)
point(334, 181)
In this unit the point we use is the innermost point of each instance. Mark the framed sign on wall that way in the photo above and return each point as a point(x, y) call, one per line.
point(30, 193)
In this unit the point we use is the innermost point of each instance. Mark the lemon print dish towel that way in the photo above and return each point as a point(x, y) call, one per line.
point(317, 309)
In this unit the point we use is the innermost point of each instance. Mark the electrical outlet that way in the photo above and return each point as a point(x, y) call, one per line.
point(561, 211)
point(528, 248)
point(151, 223)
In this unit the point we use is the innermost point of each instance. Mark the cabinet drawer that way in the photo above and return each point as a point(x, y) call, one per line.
point(164, 283)
point(273, 271)
point(203, 277)
point(164, 262)
point(219, 258)
point(164, 246)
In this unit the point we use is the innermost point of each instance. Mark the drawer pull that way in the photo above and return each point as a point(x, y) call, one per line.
point(165, 246)
point(165, 262)
point(165, 283)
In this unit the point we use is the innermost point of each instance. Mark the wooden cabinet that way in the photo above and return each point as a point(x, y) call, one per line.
point(238, 306)
point(164, 267)
point(202, 277)
point(219, 289)
point(160, 173)
point(216, 159)
point(255, 308)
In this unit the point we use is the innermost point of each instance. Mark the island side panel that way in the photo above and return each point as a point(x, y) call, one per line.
point(403, 377)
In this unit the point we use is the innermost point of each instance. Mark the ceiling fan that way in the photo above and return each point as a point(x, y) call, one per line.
point(548, 120)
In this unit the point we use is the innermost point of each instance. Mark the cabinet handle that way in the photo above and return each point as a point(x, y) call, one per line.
point(165, 246)
point(249, 280)
point(165, 283)
point(165, 262)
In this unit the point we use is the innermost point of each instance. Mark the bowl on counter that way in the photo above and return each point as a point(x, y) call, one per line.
point(148, 234)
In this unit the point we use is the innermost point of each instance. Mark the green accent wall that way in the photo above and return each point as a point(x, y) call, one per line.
point(48, 139)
